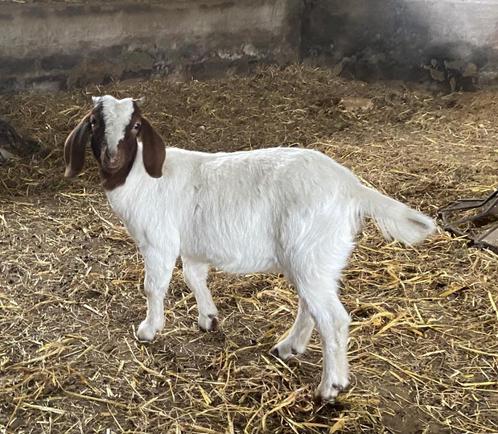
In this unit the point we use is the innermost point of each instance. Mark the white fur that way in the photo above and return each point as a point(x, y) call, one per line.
point(117, 115)
point(294, 211)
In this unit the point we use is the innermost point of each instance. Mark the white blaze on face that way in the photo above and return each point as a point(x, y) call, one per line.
point(117, 115)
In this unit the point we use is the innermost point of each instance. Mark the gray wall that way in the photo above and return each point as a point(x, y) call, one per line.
point(59, 45)
point(53, 45)
point(394, 38)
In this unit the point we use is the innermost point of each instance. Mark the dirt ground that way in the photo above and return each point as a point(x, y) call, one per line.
point(424, 338)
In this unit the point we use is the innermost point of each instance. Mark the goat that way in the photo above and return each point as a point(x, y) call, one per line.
point(287, 210)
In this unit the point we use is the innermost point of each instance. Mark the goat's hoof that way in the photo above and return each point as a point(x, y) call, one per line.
point(145, 332)
point(275, 352)
point(208, 323)
point(328, 395)
point(285, 352)
point(281, 353)
point(320, 399)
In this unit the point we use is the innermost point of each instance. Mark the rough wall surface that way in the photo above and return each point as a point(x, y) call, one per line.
point(403, 39)
point(47, 44)
point(59, 45)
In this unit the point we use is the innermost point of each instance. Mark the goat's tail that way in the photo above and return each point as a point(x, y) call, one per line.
point(395, 219)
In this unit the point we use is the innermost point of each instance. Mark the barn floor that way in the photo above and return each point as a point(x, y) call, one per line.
point(424, 337)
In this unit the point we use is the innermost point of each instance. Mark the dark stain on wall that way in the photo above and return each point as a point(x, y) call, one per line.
point(361, 39)
point(395, 40)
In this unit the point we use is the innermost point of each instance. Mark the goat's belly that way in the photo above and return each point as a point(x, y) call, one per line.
point(240, 259)
point(244, 266)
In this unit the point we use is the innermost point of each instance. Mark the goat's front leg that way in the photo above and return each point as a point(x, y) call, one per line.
point(158, 271)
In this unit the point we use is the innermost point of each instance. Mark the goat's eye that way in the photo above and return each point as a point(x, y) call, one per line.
point(136, 126)
point(93, 121)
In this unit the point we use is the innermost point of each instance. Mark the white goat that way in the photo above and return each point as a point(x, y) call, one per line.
point(292, 211)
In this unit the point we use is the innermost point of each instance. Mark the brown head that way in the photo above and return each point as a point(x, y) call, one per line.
point(114, 127)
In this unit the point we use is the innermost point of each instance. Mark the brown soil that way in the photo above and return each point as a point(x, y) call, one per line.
point(424, 338)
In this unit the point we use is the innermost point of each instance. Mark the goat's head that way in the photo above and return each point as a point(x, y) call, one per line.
point(113, 127)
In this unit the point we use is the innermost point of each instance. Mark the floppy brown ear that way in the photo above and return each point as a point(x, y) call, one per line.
point(74, 147)
point(154, 151)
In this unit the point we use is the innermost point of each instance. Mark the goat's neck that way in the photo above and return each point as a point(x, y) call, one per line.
point(128, 192)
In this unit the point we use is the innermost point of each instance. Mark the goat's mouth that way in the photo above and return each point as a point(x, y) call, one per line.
point(111, 163)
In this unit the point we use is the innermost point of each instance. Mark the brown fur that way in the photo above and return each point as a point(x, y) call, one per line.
point(114, 171)
point(154, 151)
point(74, 147)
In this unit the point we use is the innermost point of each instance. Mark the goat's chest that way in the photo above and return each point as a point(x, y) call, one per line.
point(131, 211)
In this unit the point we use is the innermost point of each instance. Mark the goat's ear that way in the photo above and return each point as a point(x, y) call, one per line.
point(74, 148)
point(154, 151)
point(139, 101)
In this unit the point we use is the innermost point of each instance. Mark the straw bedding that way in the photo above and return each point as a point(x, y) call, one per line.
point(424, 337)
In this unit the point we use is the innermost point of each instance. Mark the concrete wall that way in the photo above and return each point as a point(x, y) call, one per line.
point(59, 45)
point(402, 39)
point(47, 44)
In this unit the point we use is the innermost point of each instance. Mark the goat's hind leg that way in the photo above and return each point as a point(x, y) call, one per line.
point(195, 275)
point(299, 335)
point(332, 322)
